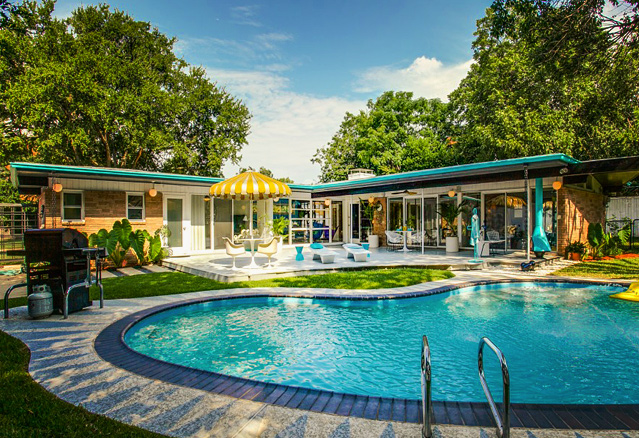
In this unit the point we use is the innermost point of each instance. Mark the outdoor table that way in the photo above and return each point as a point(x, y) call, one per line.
point(252, 241)
point(405, 234)
point(299, 257)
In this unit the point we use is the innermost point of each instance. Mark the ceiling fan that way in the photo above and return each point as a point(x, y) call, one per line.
point(405, 192)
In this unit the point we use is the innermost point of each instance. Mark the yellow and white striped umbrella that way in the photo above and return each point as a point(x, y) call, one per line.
point(251, 186)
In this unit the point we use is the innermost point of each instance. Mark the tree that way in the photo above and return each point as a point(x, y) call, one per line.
point(396, 133)
point(267, 172)
point(525, 97)
point(102, 89)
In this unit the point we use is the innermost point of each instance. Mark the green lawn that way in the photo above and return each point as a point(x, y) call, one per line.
point(169, 283)
point(28, 410)
point(617, 268)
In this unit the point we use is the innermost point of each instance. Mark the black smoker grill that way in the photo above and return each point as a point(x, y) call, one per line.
point(61, 259)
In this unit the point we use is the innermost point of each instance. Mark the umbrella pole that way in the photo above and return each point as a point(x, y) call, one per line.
point(251, 218)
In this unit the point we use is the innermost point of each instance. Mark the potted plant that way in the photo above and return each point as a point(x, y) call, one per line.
point(575, 250)
point(449, 212)
point(164, 232)
point(280, 227)
point(368, 210)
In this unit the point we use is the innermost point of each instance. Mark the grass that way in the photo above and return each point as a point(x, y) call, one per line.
point(617, 268)
point(170, 283)
point(28, 410)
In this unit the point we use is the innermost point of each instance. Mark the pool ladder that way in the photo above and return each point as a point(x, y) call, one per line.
point(502, 420)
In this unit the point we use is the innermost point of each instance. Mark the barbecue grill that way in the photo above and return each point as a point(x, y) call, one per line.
point(61, 259)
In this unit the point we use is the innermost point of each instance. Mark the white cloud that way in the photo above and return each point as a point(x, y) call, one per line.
point(263, 48)
point(425, 77)
point(246, 15)
point(287, 128)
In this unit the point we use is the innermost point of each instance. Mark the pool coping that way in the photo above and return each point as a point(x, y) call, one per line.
point(110, 346)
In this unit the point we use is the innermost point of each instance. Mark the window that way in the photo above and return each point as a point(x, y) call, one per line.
point(72, 206)
point(135, 206)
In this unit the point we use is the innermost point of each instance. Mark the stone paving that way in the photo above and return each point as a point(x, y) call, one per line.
point(63, 361)
point(218, 265)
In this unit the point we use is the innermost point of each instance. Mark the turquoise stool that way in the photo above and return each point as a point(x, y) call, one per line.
point(366, 246)
point(299, 257)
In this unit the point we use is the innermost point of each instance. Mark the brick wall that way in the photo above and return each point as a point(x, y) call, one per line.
point(379, 222)
point(576, 210)
point(101, 209)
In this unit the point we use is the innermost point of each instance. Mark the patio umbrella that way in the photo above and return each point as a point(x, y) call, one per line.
point(250, 186)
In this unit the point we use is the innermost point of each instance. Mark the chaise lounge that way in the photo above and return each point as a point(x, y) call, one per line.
point(356, 252)
point(324, 254)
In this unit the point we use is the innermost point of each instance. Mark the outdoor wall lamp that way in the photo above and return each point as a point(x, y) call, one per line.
point(57, 187)
point(556, 185)
point(451, 193)
point(152, 192)
point(327, 202)
point(207, 198)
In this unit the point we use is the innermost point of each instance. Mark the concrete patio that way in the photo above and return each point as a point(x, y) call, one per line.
point(217, 265)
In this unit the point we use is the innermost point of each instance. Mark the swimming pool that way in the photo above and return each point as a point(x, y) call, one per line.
point(565, 343)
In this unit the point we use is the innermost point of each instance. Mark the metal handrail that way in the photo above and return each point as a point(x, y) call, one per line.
point(6, 297)
point(503, 423)
point(427, 402)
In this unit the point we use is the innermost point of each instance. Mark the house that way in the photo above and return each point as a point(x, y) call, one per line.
point(573, 195)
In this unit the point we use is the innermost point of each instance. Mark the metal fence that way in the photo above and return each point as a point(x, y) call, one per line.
point(14, 219)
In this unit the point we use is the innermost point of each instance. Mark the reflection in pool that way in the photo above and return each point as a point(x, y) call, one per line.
point(565, 343)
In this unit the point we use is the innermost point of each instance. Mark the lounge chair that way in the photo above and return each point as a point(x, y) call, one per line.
point(324, 254)
point(357, 252)
point(394, 240)
point(233, 249)
point(269, 249)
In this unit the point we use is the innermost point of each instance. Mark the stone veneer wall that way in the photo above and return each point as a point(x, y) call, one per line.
point(101, 209)
point(379, 222)
point(576, 210)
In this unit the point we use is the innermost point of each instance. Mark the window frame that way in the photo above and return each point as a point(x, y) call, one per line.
point(62, 206)
point(143, 208)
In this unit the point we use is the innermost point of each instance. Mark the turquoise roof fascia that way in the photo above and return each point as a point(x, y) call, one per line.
point(105, 171)
point(112, 172)
point(159, 176)
point(566, 159)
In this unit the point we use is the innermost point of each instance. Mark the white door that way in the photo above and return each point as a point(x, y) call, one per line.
point(174, 218)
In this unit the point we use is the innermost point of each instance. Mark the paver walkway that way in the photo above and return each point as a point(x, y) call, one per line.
point(63, 361)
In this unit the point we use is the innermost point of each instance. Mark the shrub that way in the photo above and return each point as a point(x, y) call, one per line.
point(121, 238)
point(606, 244)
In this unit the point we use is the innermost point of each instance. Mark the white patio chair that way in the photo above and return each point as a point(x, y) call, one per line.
point(233, 249)
point(269, 249)
point(394, 239)
point(356, 252)
point(324, 254)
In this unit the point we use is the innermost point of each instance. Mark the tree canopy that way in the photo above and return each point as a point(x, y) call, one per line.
point(396, 133)
point(548, 77)
point(102, 89)
point(555, 76)
point(267, 172)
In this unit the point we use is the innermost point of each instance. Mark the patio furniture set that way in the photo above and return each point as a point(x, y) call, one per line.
point(268, 249)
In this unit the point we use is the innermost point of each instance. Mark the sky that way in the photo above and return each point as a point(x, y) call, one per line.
point(300, 65)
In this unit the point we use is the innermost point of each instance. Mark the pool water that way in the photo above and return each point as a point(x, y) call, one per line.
point(564, 343)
